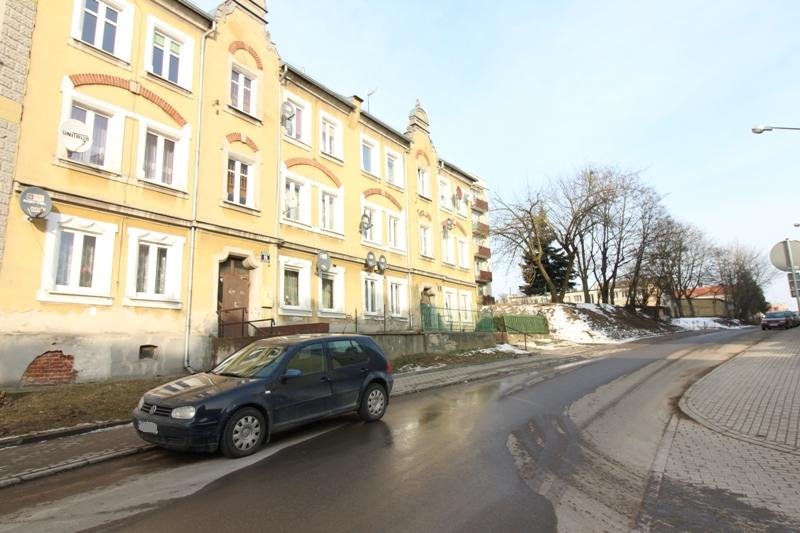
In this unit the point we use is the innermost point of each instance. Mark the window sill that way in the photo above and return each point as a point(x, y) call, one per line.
point(373, 244)
point(240, 208)
point(397, 186)
point(44, 295)
point(294, 311)
point(236, 112)
point(370, 175)
point(373, 316)
point(424, 197)
point(296, 224)
point(104, 172)
point(100, 53)
point(331, 314)
point(297, 142)
point(427, 258)
point(332, 233)
point(402, 318)
point(443, 208)
point(332, 158)
point(135, 301)
point(163, 188)
point(168, 84)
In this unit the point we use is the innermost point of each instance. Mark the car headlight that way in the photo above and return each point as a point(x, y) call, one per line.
point(183, 413)
point(141, 402)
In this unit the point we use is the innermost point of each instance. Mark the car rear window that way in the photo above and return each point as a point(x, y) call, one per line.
point(347, 352)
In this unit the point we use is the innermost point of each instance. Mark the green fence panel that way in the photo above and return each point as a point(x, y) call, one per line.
point(444, 319)
point(525, 324)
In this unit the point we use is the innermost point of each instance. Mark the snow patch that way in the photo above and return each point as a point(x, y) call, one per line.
point(703, 323)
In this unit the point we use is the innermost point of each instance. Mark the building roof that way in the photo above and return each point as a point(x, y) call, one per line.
point(711, 291)
point(203, 13)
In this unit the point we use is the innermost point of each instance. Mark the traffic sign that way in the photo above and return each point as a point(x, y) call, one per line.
point(782, 251)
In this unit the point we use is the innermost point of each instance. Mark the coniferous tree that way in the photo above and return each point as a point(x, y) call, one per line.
point(555, 264)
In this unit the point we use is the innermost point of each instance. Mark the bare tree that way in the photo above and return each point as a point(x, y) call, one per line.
point(743, 271)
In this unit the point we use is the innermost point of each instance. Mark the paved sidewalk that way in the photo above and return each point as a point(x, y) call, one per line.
point(38, 459)
point(755, 396)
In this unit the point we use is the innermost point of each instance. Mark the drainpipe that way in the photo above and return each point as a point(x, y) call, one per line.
point(276, 297)
point(193, 228)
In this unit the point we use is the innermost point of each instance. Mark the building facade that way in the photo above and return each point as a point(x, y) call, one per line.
point(217, 192)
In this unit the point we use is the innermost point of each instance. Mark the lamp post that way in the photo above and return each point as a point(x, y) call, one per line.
point(759, 130)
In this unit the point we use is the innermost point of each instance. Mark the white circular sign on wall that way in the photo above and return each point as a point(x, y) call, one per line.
point(75, 135)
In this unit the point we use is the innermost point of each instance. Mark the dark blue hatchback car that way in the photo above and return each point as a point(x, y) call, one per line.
point(267, 386)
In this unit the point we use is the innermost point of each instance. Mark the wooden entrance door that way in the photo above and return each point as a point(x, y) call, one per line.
point(233, 298)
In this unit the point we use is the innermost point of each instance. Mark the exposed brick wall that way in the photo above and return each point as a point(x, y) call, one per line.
point(50, 368)
point(16, 31)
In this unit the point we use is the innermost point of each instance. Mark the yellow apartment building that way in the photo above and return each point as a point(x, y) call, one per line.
point(200, 187)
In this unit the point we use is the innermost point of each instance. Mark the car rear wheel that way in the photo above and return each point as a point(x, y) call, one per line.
point(373, 403)
point(244, 433)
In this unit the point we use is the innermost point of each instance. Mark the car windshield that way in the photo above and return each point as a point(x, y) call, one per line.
point(776, 314)
point(249, 361)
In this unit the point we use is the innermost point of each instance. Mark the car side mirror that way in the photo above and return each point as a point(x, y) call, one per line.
point(291, 373)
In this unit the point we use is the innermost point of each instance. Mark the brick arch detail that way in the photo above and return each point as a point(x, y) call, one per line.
point(424, 214)
point(421, 153)
point(459, 226)
point(242, 138)
point(371, 192)
point(241, 45)
point(133, 86)
point(316, 164)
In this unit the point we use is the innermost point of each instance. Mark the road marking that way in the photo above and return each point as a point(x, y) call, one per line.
point(577, 363)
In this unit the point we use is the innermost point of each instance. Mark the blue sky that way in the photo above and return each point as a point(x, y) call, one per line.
point(522, 92)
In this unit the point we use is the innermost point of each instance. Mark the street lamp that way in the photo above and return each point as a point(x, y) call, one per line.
point(761, 129)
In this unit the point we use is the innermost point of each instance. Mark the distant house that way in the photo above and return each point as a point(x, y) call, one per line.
point(708, 301)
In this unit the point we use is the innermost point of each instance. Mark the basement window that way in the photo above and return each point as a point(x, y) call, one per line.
point(148, 351)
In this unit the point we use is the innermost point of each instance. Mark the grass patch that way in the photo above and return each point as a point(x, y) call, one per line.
point(69, 405)
point(417, 361)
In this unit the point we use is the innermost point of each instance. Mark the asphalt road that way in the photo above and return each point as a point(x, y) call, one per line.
point(506, 454)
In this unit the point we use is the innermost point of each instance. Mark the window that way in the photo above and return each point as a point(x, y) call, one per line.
point(159, 158)
point(330, 136)
point(373, 232)
point(465, 306)
point(461, 205)
point(243, 92)
point(292, 200)
point(347, 352)
point(331, 292)
point(425, 245)
point(299, 126)
point(166, 56)
point(450, 305)
point(78, 260)
point(309, 360)
point(394, 169)
point(373, 294)
point(104, 24)
point(155, 263)
point(171, 53)
point(395, 232)
point(463, 254)
point(445, 195)
point(423, 185)
point(398, 297)
point(329, 211)
point(98, 123)
point(447, 250)
point(368, 151)
point(295, 286)
point(239, 187)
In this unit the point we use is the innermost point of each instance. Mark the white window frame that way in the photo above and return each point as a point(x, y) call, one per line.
point(465, 312)
point(399, 170)
point(100, 291)
point(448, 249)
point(337, 274)
point(171, 298)
point(303, 267)
point(396, 239)
point(402, 292)
point(252, 180)
point(338, 211)
point(445, 194)
point(185, 60)
point(373, 235)
point(462, 208)
point(180, 166)
point(305, 120)
point(123, 41)
point(464, 255)
point(424, 183)
point(337, 151)
point(255, 84)
point(375, 151)
point(426, 241)
point(378, 281)
point(116, 128)
point(304, 200)
point(450, 299)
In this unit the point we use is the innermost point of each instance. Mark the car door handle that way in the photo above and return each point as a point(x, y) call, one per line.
point(323, 379)
point(364, 370)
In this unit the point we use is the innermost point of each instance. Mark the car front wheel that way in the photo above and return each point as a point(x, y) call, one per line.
point(373, 403)
point(244, 433)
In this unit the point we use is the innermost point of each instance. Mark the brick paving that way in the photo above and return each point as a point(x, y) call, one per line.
point(755, 396)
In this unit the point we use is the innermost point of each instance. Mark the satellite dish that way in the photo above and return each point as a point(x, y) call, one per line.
point(75, 135)
point(365, 224)
point(449, 224)
point(287, 111)
point(323, 262)
point(383, 264)
point(370, 261)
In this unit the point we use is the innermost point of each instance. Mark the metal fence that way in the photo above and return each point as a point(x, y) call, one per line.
point(531, 324)
point(447, 319)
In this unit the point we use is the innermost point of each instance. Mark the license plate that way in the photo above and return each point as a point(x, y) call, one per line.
point(148, 427)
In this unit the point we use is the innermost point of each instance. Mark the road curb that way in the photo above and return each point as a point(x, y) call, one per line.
point(49, 434)
point(71, 465)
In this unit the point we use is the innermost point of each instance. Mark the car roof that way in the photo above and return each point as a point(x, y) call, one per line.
point(303, 337)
